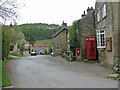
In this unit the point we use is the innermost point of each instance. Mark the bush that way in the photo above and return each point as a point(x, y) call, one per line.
point(46, 52)
point(5, 46)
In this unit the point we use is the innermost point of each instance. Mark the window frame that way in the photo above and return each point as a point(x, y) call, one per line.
point(104, 11)
point(101, 43)
point(98, 16)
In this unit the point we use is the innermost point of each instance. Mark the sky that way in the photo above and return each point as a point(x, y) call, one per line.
point(52, 11)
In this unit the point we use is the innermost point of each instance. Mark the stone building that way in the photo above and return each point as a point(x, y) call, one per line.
point(60, 41)
point(107, 26)
point(87, 28)
point(40, 48)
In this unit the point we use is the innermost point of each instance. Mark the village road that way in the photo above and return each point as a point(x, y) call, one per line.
point(55, 72)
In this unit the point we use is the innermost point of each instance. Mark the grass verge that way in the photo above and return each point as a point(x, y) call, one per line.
point(5, 79)
point(18, 55)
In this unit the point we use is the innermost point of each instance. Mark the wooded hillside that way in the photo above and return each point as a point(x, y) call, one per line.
point(39, 31)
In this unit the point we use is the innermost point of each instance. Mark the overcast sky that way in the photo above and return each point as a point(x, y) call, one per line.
point(53, 11)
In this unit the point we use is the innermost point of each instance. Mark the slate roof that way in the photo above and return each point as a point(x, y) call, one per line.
point(60, 32)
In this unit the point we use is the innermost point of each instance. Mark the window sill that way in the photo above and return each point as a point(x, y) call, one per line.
point(101, 48)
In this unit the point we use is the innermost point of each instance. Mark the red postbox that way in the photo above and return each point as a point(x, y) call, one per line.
point(91, 47)
point(78, 51)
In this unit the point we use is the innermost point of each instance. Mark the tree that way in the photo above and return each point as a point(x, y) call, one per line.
point(22, 48)
point(8, 9)
point(5, 46)
point(74, 36)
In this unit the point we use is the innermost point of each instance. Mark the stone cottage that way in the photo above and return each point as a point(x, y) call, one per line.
point(60, 40)
point(40, 48)
point(87, 28)
point(107, 26)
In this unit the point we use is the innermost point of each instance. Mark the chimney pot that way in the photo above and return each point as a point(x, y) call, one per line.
point(92, 8)
point(64, 24)
point(89, 10)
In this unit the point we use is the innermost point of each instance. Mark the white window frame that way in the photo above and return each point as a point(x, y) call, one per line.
point(98, 15)
point(100, 42)
point(104, 10)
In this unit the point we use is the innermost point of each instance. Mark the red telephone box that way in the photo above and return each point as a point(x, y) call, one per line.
point(91, 47)
point(78, 51)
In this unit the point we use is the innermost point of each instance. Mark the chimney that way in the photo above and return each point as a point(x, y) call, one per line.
point(89, 10)
point(83, 14)
point(64, 24)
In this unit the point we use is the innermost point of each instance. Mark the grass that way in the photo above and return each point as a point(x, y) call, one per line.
point(49, 42)
point(5, 79)
point(15, 54)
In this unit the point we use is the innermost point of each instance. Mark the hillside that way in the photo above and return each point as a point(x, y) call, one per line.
point(39, 31)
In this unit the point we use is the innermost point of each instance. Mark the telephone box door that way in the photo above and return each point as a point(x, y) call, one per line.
point(91, 47)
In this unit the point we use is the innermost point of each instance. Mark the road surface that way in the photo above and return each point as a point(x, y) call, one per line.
point(55, 72)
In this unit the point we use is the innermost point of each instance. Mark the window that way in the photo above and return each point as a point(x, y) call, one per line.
point(104, 10)
point(100, 38)
point(57, 47)
point(98, 16)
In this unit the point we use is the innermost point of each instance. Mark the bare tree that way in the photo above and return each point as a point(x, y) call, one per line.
point(8, 9)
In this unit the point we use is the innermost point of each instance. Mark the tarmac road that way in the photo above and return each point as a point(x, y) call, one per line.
point(55, 72)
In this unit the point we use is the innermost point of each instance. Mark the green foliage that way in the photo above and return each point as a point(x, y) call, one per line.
point(0, 43)
point(15, 54)
point(10, 38)
point(22, 48)
point(46, 52)
point(34, 32)
point(19, 36)
point(74, 36)
point(5, 79)
point(5, 46)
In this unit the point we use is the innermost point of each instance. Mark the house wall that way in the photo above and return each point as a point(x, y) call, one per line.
point(110, 22)
point(60, 41)
point(38, 49)
point(87, 28)
point(119, 35)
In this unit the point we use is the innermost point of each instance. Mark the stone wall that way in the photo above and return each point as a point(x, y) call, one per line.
point(60, 41)
point(119, 35)
point(110, 22)
point(87, 28)
point(42, 49)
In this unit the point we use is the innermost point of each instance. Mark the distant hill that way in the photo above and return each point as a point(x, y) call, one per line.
point(39, 31)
